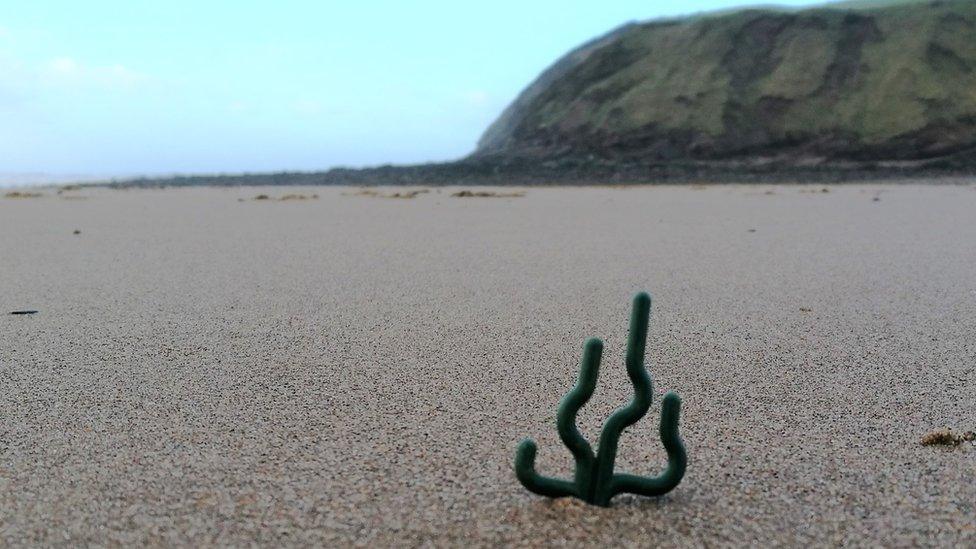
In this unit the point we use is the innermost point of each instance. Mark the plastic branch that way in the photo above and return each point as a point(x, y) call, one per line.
point(594, 480)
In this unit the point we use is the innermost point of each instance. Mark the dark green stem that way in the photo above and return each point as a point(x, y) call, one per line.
point(569, 406)
point(630, 414)
point(533, 481)
point(566, 416)
point(677, 458)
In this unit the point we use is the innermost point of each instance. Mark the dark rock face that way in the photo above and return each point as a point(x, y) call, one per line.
point(895, 83)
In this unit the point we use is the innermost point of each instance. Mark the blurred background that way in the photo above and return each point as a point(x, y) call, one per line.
point(110, 88)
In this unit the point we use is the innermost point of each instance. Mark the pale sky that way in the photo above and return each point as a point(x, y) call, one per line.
point(123, 87)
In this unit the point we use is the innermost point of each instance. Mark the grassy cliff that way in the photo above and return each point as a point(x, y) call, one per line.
point(857, 81)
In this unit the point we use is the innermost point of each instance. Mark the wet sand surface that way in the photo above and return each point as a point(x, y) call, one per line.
point(356, 369)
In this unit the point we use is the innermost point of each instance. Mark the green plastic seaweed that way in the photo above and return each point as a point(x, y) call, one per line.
point(594, 481)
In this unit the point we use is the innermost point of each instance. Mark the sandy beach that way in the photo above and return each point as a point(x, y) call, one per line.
point(209, 369)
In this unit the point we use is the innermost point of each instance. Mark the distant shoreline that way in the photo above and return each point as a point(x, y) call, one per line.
point(574, 172)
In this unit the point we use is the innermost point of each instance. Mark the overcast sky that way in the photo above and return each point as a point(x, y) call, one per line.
point(113, 87)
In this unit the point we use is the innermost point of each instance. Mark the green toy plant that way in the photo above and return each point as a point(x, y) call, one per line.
point(594, 481)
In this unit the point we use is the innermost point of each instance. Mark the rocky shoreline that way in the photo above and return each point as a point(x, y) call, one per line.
point(587, 171)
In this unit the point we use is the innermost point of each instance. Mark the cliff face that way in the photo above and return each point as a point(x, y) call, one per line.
point(878, 83)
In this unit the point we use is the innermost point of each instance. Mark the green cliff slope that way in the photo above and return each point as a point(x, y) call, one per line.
point(895, 82)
